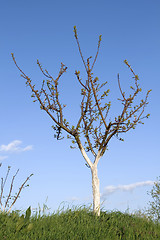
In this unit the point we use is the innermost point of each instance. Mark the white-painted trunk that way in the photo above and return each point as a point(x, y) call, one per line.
point(95, 179)
point(96, 190)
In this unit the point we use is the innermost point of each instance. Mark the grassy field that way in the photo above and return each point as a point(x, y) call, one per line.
point(77, 224)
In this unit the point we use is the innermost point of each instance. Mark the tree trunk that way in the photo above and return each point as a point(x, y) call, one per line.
point(96, 190)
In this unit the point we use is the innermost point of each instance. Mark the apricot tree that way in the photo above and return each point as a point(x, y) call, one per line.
point(93, 124)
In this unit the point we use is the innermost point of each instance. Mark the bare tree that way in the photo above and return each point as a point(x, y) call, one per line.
point(93, 124)
point(7, 205)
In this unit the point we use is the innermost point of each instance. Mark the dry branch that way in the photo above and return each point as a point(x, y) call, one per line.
point(6, 203)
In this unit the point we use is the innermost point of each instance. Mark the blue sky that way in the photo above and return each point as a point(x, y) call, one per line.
point(44, 30)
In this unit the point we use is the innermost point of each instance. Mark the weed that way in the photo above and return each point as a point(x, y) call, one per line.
point(77, 223)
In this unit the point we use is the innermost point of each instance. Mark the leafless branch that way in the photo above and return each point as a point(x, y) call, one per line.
point(75, 32)
point(99, 42)
point(6, 204)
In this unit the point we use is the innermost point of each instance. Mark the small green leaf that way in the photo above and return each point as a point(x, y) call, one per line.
point(121, 139)
point(136, 77)
point(75, 32)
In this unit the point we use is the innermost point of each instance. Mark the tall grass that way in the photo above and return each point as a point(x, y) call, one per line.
point(77, 224)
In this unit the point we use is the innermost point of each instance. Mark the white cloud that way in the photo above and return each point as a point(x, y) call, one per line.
point(84, 199)
point(74, 199)
point(14, 147)
point(130, 187)
point(3, 157)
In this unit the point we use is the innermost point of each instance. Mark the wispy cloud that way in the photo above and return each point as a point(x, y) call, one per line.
point(84, 199)
point(74, 199)
point(3, 158)
point(14, 147)
point(130, 187)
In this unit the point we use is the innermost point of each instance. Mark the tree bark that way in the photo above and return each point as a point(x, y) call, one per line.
point(95, 190)
point(95, 179)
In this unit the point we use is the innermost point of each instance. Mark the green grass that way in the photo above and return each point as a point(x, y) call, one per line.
point(77, 224)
